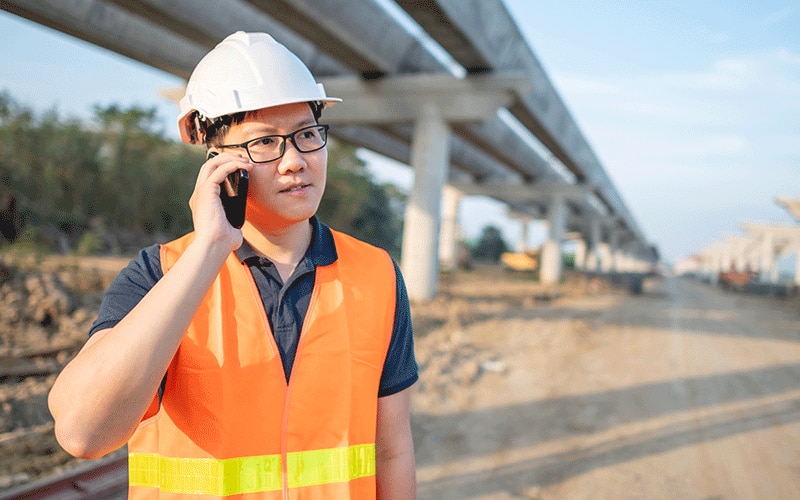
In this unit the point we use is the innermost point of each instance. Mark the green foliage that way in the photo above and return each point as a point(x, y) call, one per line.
point(119, 184)
point(490, 245)
point(355, 205)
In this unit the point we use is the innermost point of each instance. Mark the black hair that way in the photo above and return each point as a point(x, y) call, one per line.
point(217, 128)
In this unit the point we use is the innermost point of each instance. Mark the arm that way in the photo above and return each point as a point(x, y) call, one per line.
point(394, 448)
point(99, 398)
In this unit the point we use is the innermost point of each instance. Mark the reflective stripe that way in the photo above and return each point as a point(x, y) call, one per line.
point(231, 476)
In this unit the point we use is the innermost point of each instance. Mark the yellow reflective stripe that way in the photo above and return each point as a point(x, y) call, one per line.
point(333, 465)
point(209, 476)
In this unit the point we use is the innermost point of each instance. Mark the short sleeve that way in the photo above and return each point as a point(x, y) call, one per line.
point(400, 369)
point(128, 288)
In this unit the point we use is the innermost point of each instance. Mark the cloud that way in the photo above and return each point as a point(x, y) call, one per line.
point(777, 17)
point(719, 140)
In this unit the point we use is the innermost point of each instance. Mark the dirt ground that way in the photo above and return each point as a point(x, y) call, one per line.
point(577, 391)
point(683, 392)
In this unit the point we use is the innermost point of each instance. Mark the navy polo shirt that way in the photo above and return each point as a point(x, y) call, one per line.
point(285, 304)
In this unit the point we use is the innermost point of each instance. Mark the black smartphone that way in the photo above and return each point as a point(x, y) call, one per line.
point(233, 192)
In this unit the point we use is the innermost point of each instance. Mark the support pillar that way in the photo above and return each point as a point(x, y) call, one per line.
point(580, 255)
point(768, 265)
point(450, 234)
point(593, 258)
point(614, 244)
point(430, 152)
point(551, 262)
point(522, 244)
point(797, 269)
point(604, 251)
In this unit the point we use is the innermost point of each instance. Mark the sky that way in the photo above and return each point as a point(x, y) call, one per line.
point(692, 107)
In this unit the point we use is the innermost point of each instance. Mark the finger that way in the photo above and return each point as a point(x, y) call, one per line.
point(217, 168)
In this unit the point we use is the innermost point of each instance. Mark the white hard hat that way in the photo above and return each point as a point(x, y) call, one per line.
point(245, 72)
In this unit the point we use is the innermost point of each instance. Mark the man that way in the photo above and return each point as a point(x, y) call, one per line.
point(271, 361)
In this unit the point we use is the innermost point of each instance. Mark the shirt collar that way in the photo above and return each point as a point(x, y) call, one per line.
point(321, 251)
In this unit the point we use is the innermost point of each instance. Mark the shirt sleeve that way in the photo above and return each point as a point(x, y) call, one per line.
point(400, 369)
point(128, 288)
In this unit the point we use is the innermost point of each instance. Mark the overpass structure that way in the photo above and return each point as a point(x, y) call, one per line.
point(756, 250)
point(449, 87)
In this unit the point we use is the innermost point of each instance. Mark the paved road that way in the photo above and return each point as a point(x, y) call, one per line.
point(684, 392)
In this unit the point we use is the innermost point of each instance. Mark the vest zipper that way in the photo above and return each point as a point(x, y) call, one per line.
point(285, 425)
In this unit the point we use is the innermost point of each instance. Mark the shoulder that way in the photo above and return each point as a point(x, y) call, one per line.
point(170, 251)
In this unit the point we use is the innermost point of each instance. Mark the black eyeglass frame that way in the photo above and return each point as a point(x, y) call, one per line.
point(323, 128)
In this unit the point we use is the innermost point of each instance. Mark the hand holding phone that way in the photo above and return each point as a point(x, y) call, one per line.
point(233, 193)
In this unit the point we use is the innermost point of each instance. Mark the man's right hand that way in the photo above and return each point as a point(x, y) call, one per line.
point(208, 216)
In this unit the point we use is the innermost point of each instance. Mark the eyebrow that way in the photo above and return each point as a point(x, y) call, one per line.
point(257, 128)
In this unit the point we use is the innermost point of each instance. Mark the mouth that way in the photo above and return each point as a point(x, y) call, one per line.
point(295, 188)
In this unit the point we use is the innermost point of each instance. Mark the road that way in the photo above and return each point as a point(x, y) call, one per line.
point(685, 392)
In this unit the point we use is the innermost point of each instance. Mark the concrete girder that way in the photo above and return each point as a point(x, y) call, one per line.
point(392, 55)
point(115, 29)
point(398, 99)
point(373, 43)
point(495, 38)
point(792, 205)
point(401, 99)
point(429, 16)
point(496, 139)
point(782, 235)
point(218, 19)
point(474, 162)
point(538, 192)
point(238, 13)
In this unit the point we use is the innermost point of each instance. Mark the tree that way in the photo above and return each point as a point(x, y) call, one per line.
point(490, 245)
point(117, 184)
point(354, 204)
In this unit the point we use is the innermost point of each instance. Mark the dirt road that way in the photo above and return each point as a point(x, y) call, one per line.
point(683, 392)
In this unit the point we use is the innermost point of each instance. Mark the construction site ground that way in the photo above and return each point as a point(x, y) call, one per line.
point(576, 391)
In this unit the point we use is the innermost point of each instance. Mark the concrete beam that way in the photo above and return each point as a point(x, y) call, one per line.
point(537, 192)
point(400, 99)
point(792, 205)
point(779, 231)
point(113, 28)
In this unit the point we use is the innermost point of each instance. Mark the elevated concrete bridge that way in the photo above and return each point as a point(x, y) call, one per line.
point(449, 87)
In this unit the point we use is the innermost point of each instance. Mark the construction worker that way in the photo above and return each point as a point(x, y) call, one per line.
point(271, 361)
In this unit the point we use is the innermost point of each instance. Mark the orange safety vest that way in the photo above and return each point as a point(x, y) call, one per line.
point(230, 426)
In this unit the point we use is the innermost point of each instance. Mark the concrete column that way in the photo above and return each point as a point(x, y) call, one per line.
point(768, 265)
point(619, 261)
point(430, 152)
point(740, 260)
point(580, 254)
point(716, 266)
point(551, 265)
point(797, 269)
point(593, 258)
point(613, 250)
point(522, 244)
point(726, 259)
point(604, 255)
point(450, 234)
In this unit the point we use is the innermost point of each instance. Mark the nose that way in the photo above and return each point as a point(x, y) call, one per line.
point(292, 160)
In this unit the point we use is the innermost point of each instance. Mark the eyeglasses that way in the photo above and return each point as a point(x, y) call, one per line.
point(271, 147)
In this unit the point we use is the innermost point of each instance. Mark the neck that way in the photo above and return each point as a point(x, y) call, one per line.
point(285, 246)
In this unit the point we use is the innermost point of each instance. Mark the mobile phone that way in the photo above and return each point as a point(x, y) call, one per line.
point(233, 193)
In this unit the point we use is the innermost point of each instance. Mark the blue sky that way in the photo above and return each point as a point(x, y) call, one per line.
point(691, 106)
